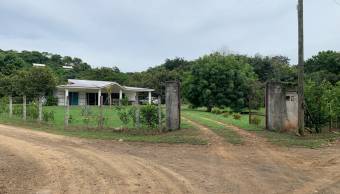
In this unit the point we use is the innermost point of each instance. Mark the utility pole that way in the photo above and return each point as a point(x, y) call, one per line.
point(301, 114)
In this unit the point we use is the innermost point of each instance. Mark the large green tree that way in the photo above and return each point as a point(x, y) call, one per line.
point(218, 80)
point(7, 86)
point(276, 68)
point(40, 82)
point(324, 66)
point(10, 62)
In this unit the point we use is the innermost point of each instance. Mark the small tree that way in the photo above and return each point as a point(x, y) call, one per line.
point(40, 82)
point(124, 115)
point(149, 116)
point(317, 98)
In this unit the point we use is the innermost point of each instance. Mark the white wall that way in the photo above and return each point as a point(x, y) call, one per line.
point(60, 94)
point(82, 98)
point(130, 95)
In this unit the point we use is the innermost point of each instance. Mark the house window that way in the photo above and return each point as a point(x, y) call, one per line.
point(290, 98)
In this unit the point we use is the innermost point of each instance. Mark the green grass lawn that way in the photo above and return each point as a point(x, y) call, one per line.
point(77, 128)
point(283, 139)
point(242, 123)
point(228, 134)
point(110, 114)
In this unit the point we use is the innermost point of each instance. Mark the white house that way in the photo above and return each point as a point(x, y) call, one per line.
point(88, 92)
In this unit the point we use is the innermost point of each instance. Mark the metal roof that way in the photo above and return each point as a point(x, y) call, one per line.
point(91, 84)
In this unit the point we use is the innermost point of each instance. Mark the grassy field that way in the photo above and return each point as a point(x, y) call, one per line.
point(283, 139)
point(110, 114)
point(77, 128)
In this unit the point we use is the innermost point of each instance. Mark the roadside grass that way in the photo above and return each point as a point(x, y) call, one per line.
point(187, 135)
point(228, 134)
point(312, 141)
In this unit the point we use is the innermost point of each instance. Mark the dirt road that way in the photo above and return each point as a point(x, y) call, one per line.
point(37, 162)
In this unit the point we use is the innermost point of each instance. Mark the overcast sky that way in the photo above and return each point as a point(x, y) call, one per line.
point(137, 34)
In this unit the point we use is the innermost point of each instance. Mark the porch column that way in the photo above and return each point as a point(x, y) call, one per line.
point(150, 98)
point(99, 96)
point(66, 96)
point(120, 97)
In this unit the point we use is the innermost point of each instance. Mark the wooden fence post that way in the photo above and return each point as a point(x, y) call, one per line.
point(137, 117)
point(67, 112)
point(10, 106)
point(101, 117)
point(160, 113)
point(40, 109)
point(24, 102)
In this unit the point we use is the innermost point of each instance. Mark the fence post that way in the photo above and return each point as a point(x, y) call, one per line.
point(10, 106)
point(67, 111)
point(160, 113)
point(101, 121)
point(137, 123)
point(173, 105)
point(24, 102)
point(137, 117)
point(40, 109)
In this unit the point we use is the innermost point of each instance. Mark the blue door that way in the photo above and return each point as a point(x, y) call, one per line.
point(74, 98)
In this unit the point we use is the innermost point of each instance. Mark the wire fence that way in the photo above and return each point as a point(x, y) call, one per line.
point(105, 117)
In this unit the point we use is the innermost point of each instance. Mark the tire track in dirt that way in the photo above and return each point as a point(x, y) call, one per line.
point(76, 169)
point(276, 163)
point(243, 177)
point(326, 176)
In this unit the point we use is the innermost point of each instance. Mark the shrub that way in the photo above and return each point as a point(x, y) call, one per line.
point(51, 101)
point(86, 121)
point(101, 120)
point(237, 116)
point(132, 114)
point(149, 116)
point(255, 120)
point(86, 113)
point(48, 116)
point(217, 111)
point(17, 110)
point(226, 114)
point(4, 105)
point(70, 119)
point(32, 111)
point(192, 106)
point(125, 101)
point(124, 115)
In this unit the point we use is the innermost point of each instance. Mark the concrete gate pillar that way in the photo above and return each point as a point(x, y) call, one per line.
point(275, 106)
point(173, 105)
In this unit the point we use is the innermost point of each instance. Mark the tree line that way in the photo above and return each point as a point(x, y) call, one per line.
point(213, 80)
